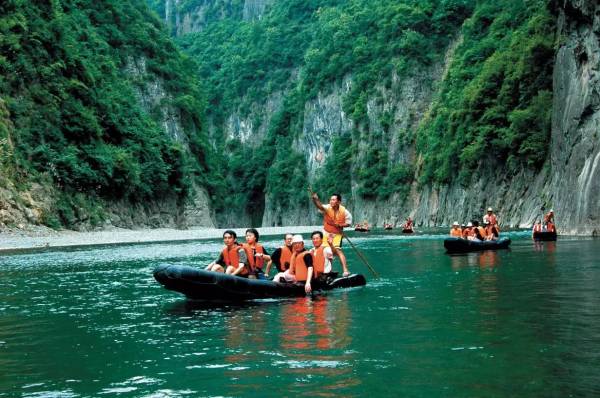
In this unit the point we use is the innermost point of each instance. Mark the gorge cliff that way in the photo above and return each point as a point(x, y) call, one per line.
point(549, 160)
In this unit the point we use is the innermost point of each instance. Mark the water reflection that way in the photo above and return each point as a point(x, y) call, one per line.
point(483, 259)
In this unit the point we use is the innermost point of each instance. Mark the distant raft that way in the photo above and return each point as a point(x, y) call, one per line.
point(198, 284)
point(407, 230)
point(544, 236)
point(361, 229)
point(460, 245)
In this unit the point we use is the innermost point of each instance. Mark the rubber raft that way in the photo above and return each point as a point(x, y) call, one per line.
point(198, 284)
point(459, 245)
point(544, 236)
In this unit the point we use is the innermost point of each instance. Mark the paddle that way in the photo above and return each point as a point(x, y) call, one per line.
point(358, 253)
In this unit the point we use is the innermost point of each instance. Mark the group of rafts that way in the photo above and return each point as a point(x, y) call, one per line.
point(241, 272)
point(474, 237)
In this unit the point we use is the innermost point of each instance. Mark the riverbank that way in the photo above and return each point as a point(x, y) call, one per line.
point(40, 238)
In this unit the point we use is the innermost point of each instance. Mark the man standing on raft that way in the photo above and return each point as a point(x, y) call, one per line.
point(335, 218)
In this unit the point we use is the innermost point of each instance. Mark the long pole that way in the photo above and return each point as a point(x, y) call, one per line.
point(361, 256)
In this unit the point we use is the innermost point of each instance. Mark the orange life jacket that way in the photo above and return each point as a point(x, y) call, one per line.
point(318, 260)
point(456, 232)
point(255, 262)
point(284, 259)
point(481, 232)
point(331, 217)
point(232, 257)
point(537, 228)
point(550, 227)
point(299, 268)
point(468, 232)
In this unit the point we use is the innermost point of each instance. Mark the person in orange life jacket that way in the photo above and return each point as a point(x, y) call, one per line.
point(490, 217)
point(549, 217)
point(281, 256)
point(490, 231)
point(550, 227)
point(232, 259)
point(478, 232)
point(256, 253)
point(408, 224)
point(455, 230)
point(322, 255)
point(537, 227)
point(301, 266)
point(335, 218)
point(468, 231)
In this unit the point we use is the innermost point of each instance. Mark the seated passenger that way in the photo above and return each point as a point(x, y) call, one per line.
point(550, 227)
point(301, 265)
point(232, 259)
point(468, 231)
point(256, 254)
point(479, 234)
point(455, 231)
point(322, 255)
point(537, 227)
point(281, 256)
point(490, 231)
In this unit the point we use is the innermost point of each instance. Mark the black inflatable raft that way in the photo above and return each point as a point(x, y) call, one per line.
point(459, 245)
point(544, 235)
point(198, 284)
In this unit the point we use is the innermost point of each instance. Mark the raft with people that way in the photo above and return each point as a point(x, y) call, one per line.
point(461, 245)
point(546, 236)
point(198, 284)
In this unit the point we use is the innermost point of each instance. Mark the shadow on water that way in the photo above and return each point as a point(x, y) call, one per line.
point(191, 307)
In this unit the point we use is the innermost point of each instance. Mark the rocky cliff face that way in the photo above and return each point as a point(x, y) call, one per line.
point(569, 182)
point(575, 159)
point(195, 19)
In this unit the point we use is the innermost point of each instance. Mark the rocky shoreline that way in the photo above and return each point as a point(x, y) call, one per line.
point(41, 238)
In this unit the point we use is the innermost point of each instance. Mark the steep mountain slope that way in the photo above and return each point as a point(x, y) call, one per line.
point(100, 118)
point(433, 109)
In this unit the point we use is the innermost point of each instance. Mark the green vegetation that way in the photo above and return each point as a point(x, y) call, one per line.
point(495, 103)
point(242, 62)
point(72, 74)
point(76, 109)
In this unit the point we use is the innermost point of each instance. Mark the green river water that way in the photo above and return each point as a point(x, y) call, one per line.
point(523, 322)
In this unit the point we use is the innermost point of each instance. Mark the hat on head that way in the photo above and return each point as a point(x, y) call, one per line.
point(469, 224)
point(490, 209)
point(551, 211)
point(455, 223)
point(297, 239)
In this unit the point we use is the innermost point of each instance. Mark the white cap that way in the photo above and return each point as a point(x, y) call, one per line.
point(490, 209)
point(297, 239)
point(551, 211)
point(469, 224)
point(455, 223)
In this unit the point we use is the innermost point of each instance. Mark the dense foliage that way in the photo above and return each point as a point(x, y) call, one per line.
point(71, 74)
point(242, 62)
point(494, 105)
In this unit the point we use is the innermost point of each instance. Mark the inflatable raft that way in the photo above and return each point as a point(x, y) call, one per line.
point(407, 230)
point(198, 284)
point(544, 235)
point(459, 245)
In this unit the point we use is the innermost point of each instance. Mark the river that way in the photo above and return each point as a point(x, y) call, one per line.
point(91, 321)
